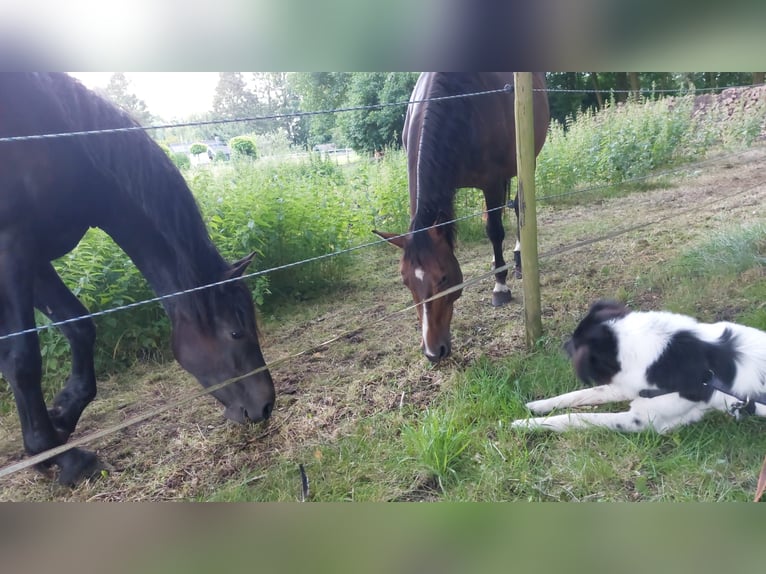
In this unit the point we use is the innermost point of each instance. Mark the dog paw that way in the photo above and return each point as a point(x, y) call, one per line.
point(540, 407)
point(520, 424)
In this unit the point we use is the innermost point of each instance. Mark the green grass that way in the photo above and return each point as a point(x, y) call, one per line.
point(714, 271)
point(437, 441)
point(460, 448)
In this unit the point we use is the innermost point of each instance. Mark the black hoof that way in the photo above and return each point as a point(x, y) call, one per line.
point(77, 465)
point(500, 298)
point(517, 272)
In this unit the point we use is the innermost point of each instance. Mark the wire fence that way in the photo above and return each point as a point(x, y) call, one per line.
point(341, 252)
point(612, 234)
point(28, 462)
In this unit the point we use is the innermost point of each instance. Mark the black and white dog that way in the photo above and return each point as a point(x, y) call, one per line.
point(672, 368)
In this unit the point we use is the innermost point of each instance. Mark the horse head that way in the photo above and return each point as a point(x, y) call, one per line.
point(428, 268)
point(225, 346)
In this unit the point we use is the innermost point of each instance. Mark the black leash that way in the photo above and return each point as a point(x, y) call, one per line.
point(743, 406)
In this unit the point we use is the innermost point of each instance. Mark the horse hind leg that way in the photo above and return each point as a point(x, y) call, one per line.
point(501, 293)
point(517, 247)
point(58, 303)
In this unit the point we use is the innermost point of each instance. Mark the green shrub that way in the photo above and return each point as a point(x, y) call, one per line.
point(381, 190)
point(618, 143)
point(197, 148)
point(630, 140)
point(181, 160)
point(286, 213)
point(243, 147)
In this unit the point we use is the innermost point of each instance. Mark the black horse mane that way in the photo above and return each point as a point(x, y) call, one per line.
point(444, 125)
point(134, 164)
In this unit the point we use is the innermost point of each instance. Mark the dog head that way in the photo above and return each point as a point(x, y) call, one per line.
point(593, 347)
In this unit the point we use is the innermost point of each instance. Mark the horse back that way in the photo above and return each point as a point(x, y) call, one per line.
point(466, 142)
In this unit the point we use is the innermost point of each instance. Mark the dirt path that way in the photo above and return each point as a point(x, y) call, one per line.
point(192, 452)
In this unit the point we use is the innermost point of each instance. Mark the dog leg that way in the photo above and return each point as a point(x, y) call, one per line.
point(590, 396)
point(614, 421)
point(659, 413)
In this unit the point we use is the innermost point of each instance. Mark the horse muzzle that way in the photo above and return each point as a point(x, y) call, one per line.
point(243, 415)
point(442, 351)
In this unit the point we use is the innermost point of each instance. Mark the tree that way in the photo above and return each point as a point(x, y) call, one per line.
point(232, 100)
point(276, 96)
point(368, 130)
point(118, 91)
point(320, 91)
point(579, 93)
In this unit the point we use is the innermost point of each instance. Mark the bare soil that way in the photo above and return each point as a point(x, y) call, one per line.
point(191, 452)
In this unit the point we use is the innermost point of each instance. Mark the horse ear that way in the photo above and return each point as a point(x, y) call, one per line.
point(438, 230)
point(238, 267)
point(393, 238)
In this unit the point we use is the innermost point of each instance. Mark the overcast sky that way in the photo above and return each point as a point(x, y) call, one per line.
point(167, 94)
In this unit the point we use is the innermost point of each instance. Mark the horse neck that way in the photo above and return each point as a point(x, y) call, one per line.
point(173, 251)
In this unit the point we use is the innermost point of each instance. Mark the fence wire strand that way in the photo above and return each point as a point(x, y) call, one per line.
point(369, 107)
point(263, 272)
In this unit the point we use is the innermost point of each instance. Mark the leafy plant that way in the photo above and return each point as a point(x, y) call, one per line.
point(437, 442)
point(181, 160)
point(243, 146)
point(197, 148)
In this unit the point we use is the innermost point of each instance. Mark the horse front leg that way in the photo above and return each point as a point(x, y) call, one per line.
point(21, 366)
point(58, 303)
point(501, 294)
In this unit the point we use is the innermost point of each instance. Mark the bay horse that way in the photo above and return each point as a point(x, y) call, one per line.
point(450, 144)
point(51, 191)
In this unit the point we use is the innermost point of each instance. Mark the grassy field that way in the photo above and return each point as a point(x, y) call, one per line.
point(370, 419)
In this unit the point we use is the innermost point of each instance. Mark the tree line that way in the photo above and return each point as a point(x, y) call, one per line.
point(277, 95)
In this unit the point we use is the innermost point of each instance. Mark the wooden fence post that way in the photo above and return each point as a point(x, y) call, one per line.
point(525, 158)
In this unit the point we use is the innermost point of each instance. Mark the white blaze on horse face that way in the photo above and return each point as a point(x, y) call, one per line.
point(419, 273)
point(427, 350)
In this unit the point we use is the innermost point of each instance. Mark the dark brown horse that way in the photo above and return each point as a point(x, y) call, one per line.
point(454, 143)
point(51, 191)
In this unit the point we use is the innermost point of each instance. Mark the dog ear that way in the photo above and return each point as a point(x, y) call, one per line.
point(605, 310)
point(595, 359)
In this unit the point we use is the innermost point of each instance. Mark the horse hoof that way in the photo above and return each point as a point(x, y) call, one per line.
point(500, 298)
point(517, 273)
point(77, 465)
